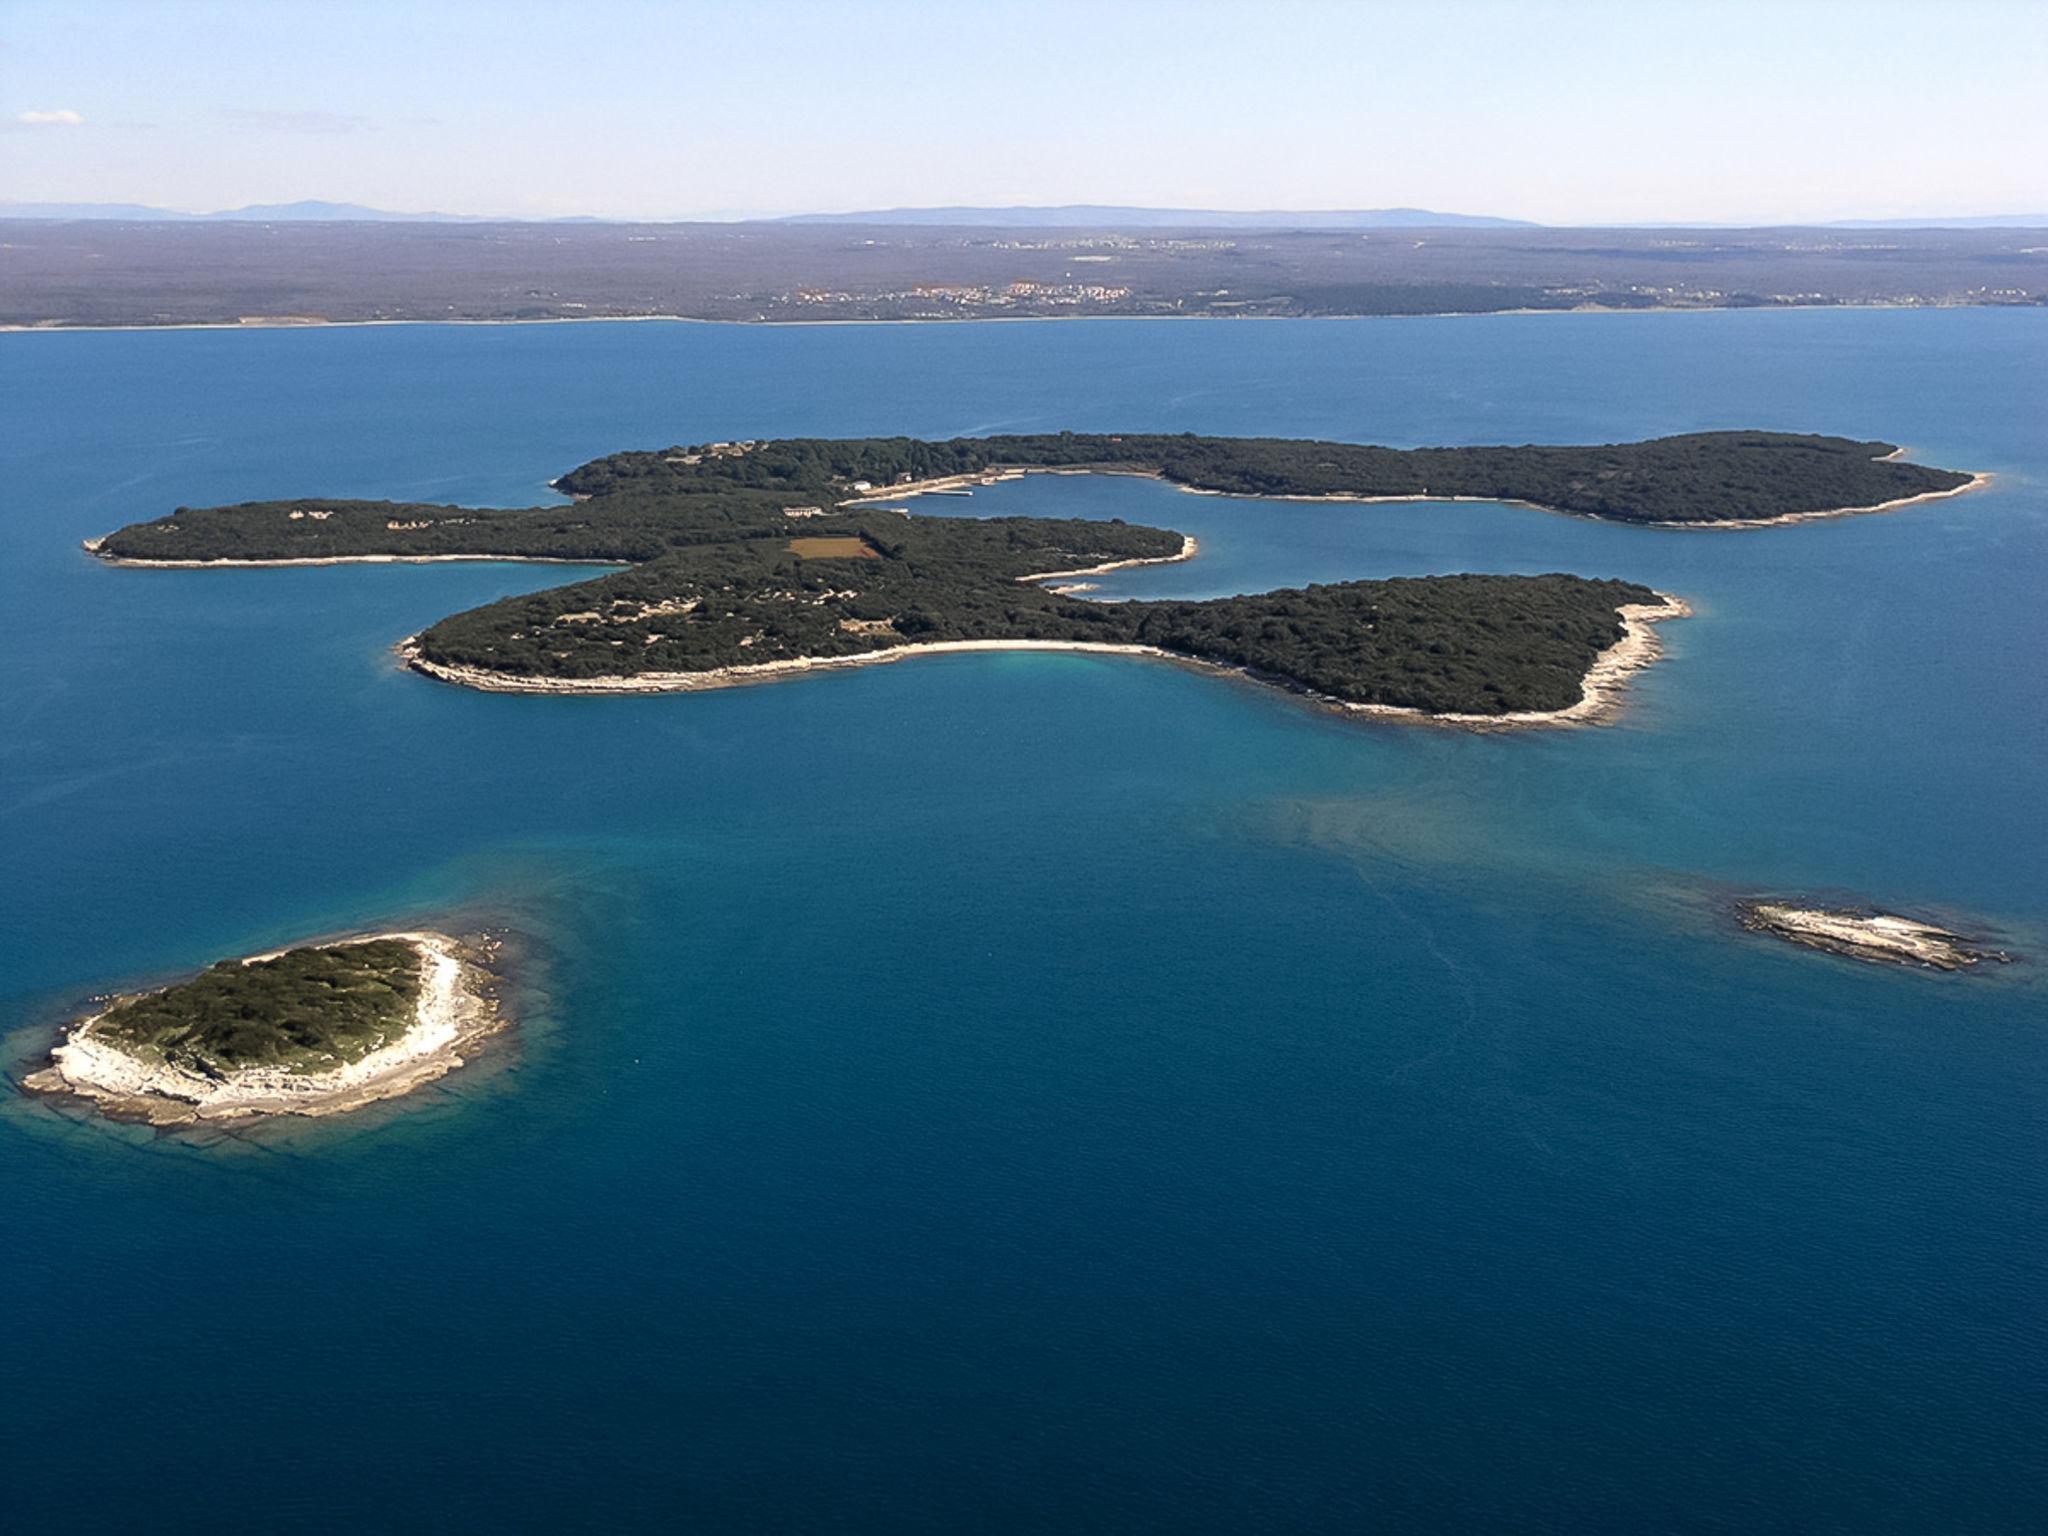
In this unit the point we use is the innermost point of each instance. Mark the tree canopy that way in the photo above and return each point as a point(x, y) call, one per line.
point(744, 553)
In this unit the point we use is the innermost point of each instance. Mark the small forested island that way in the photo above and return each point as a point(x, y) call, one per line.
point(1866, 934)
point(752, 559)
point(314, 1030)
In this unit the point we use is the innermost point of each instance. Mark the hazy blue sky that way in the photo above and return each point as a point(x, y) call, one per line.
point(1561, 111)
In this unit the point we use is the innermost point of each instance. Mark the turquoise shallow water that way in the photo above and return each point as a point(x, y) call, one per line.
point(1038, 1092)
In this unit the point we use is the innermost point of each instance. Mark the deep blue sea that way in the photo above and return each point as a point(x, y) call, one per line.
point(1035, 1092)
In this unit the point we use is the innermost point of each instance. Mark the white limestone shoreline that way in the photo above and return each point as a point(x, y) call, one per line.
point(95, 548)
point(1977, 482)
point(1189, 548)
point(1602, 689)
point(1601, 699)
point(977, 478)
point(452, 1013)
point(1877, 937)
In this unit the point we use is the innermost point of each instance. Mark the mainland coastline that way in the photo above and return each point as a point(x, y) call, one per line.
point(284, 322)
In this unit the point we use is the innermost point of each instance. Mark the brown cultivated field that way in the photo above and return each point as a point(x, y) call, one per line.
point(850, 547)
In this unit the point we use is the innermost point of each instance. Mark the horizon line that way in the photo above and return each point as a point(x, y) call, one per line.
point(1415, 217)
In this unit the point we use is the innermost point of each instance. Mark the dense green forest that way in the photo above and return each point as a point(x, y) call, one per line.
point(632, 525)
point(648, 502)
point(1702, 477)
point(307, 1010)
point(743, 553)
point(1486, 645)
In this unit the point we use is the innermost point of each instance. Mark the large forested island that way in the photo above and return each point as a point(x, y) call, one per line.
point(752, 558)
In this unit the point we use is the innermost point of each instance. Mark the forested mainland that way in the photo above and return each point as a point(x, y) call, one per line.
point(741, 554)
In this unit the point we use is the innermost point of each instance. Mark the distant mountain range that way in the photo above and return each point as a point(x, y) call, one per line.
point(255, 213)
point(1065, 216)
point(1076, 215)
point(1104, 216)
point(1984, 221)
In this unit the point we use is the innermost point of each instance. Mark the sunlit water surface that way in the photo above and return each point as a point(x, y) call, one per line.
point(1031, 1091)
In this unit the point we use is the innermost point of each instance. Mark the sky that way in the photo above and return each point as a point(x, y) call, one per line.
point(1552, 110)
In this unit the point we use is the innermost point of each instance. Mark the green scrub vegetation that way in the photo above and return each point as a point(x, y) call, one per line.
point(307, 1010)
